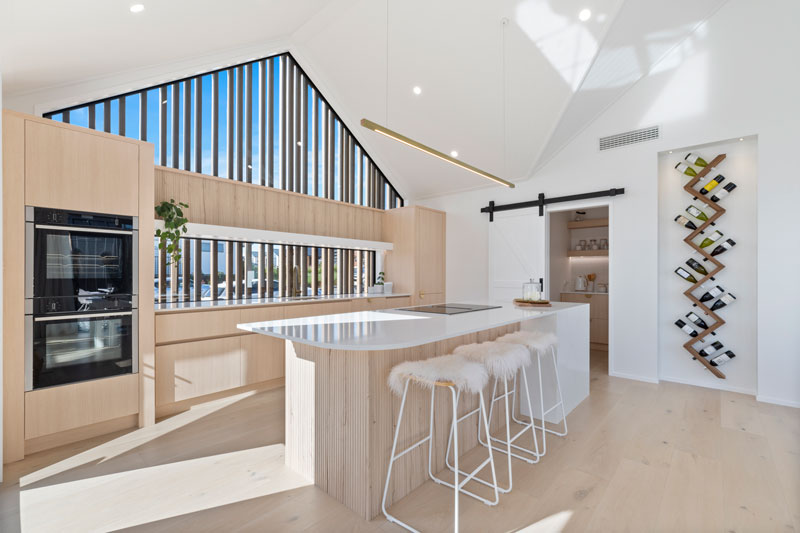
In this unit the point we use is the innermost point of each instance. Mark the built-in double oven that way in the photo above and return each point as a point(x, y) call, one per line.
point(81, 296)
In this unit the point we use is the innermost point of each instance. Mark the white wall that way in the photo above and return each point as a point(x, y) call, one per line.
point(735, 76)
point(738, 223)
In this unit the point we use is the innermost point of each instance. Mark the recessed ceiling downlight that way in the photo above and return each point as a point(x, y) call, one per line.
point(137, 8)
point(417, 90)
point(585, 14)
point(453, 154)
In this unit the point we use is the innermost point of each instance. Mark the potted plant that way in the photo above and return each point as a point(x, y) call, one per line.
point(379, 283)
point(174, 226)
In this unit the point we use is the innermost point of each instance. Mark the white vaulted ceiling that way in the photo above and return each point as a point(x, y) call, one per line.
point(560, 72)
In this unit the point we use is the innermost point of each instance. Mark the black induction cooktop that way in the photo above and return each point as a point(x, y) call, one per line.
point(449, 309)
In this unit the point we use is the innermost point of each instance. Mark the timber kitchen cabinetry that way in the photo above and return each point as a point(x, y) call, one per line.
point(416, 264)
point(54, 165)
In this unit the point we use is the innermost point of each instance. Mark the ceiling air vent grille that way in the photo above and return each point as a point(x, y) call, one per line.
point(629, 137)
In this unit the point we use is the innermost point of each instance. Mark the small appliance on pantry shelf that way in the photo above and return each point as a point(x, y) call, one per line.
point(580, 283)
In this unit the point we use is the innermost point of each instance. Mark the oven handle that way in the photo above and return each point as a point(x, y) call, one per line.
point(81, 316)
point(80, 229)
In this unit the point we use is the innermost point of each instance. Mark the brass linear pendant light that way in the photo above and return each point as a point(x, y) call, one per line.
point(430, 151)
point(377, 128)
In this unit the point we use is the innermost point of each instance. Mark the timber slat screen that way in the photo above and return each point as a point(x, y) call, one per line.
point(247, 270)
point(261, 122)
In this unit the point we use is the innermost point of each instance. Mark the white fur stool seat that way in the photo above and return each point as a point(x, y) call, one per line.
point(444, 370)
point(535, 341)
point(502, 360)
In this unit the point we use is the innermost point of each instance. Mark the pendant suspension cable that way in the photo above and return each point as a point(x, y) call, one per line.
point(387, 63)
point(504, 23)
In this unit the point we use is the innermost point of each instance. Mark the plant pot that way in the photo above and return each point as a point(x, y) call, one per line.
point(378, 289)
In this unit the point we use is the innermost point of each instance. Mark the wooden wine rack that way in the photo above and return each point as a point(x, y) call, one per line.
point(718, 321)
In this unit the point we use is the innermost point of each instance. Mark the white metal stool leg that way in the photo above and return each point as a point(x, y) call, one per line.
point(396, 456)
point(560, 398)
point(457, 485)
point(469, 476)
point(525, 425)
point(544, 429)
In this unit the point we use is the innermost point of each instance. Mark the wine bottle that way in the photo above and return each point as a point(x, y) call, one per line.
point(724, 247)
point(686, 328)
point(712, 293)
point(722, 358)
point(683, 168)
point(722, 302)
point(685, 222)
point(711, 239)
point(726, 190)
point(694, 264)
point(713, 347)
point(699, 322)
point(696, 213)
point(696, 160)
point(708, 187)
point(682, 272)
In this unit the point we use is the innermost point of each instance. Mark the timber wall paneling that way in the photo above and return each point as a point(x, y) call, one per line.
point(223, 202)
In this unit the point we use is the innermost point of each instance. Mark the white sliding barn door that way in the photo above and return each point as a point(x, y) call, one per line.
point(517, 252)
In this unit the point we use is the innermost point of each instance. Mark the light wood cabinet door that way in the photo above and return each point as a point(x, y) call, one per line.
point(430, 257)
point(67, 169)
point(66, 407)
point(192, 369)
point(598, 330)
point(177, 327)
point(394, 302)
point(263, 358)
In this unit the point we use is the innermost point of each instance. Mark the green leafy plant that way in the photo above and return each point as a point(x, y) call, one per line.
point(379, 281)
point(174, 226)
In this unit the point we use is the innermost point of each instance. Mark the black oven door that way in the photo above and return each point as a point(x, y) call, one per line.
point(73, 348)
point(82, 269)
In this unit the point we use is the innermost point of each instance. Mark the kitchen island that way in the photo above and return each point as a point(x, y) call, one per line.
point(340, 413)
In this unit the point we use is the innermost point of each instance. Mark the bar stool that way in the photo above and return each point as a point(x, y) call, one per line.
point(503, 361)
point(538, 343)
point(458, 374)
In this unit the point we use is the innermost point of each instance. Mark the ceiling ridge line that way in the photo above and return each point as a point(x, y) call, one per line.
point(535, 166)
point(541, 164)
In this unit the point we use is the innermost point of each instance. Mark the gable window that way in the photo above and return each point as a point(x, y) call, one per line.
point(261, 122)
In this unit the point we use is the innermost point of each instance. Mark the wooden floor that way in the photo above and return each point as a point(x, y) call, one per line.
point(639, 457)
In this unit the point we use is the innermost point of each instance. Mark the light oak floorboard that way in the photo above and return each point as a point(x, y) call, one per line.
point(639, 457)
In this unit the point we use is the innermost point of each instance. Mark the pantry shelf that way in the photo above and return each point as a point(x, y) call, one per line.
point(590, 223)
point(587, 253)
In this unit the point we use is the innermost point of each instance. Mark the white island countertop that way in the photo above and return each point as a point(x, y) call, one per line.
point(392, 328)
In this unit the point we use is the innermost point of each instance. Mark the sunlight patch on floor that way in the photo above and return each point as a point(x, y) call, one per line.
point(552, 524)
point(145, 495)
point(129, 441)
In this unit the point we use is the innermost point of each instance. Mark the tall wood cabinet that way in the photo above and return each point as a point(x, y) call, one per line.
point(416, 265)
point(50, 164)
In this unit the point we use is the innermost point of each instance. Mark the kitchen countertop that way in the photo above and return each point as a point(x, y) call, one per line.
point(170, 307)
point(394, 329)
